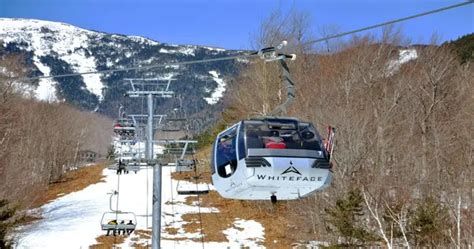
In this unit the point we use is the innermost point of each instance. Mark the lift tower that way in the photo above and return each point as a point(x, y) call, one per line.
point(152, 88)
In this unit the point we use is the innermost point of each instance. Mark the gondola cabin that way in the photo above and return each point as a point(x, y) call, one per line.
point(270, 158)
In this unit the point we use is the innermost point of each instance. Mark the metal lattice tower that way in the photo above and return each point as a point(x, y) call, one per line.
point(152, 88)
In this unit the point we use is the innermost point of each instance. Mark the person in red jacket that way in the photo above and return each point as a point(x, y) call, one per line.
point(275, 141)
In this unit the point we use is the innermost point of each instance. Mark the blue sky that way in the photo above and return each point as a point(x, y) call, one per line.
point(229, 23)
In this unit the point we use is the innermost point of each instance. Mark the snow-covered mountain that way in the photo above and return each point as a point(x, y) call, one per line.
point(52, 48)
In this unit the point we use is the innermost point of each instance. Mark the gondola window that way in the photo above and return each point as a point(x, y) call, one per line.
point(226, 156)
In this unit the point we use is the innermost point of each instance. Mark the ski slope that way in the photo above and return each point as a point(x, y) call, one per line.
point(73, 220)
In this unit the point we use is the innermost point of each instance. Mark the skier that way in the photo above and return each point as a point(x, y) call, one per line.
point(130, 230)
point(112, 222)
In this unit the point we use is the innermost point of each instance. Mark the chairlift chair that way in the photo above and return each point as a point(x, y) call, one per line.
point(133, 166)
point(118, 221)
point(124, 127)
point(189, 188)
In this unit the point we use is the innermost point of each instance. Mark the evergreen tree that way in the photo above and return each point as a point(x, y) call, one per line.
point(429, 224)
point(345, 219)
point(464, 47)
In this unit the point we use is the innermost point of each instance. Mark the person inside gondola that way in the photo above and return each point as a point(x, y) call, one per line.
point(227, 156)
point(253, 139)
point(130, 230)
point(275, 141)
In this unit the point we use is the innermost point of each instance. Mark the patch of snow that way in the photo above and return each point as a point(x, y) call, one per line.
point(215, 49)
point(149, 61)
point(81, 63)
point(109, 63)
point(404, 56)
point(69, 221)
point(166, 51)
point(187, 50)
point(46, 90)
point(172, 66)
point(143, 40)
point(247, 232)
point(218, 93)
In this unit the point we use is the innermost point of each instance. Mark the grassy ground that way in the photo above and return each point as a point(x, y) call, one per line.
point(73, 181)
point(106, 242)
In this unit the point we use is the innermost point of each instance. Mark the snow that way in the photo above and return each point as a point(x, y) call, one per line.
point(187, 50)
point(70, 220)
point(218, 93)
point(246, 230)
point(73, 220)
point(166, 51)
point(172, 66)
point(46, 89)
point(143, 40)
point(67, 41)
point(215, 49)
point(407, 55)
point(404, 56)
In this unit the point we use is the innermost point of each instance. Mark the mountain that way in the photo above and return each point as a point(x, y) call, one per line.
point(52, 48)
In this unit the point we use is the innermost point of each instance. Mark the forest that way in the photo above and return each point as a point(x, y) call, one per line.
point(40, 141)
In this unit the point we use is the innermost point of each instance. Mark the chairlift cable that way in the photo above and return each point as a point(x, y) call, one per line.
point(248, 54)
point(117, 205)
point(199, 202)
point(187, 135)
point(146, 172)
point(389, 22)
point(199, 199)
point(172, 206)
